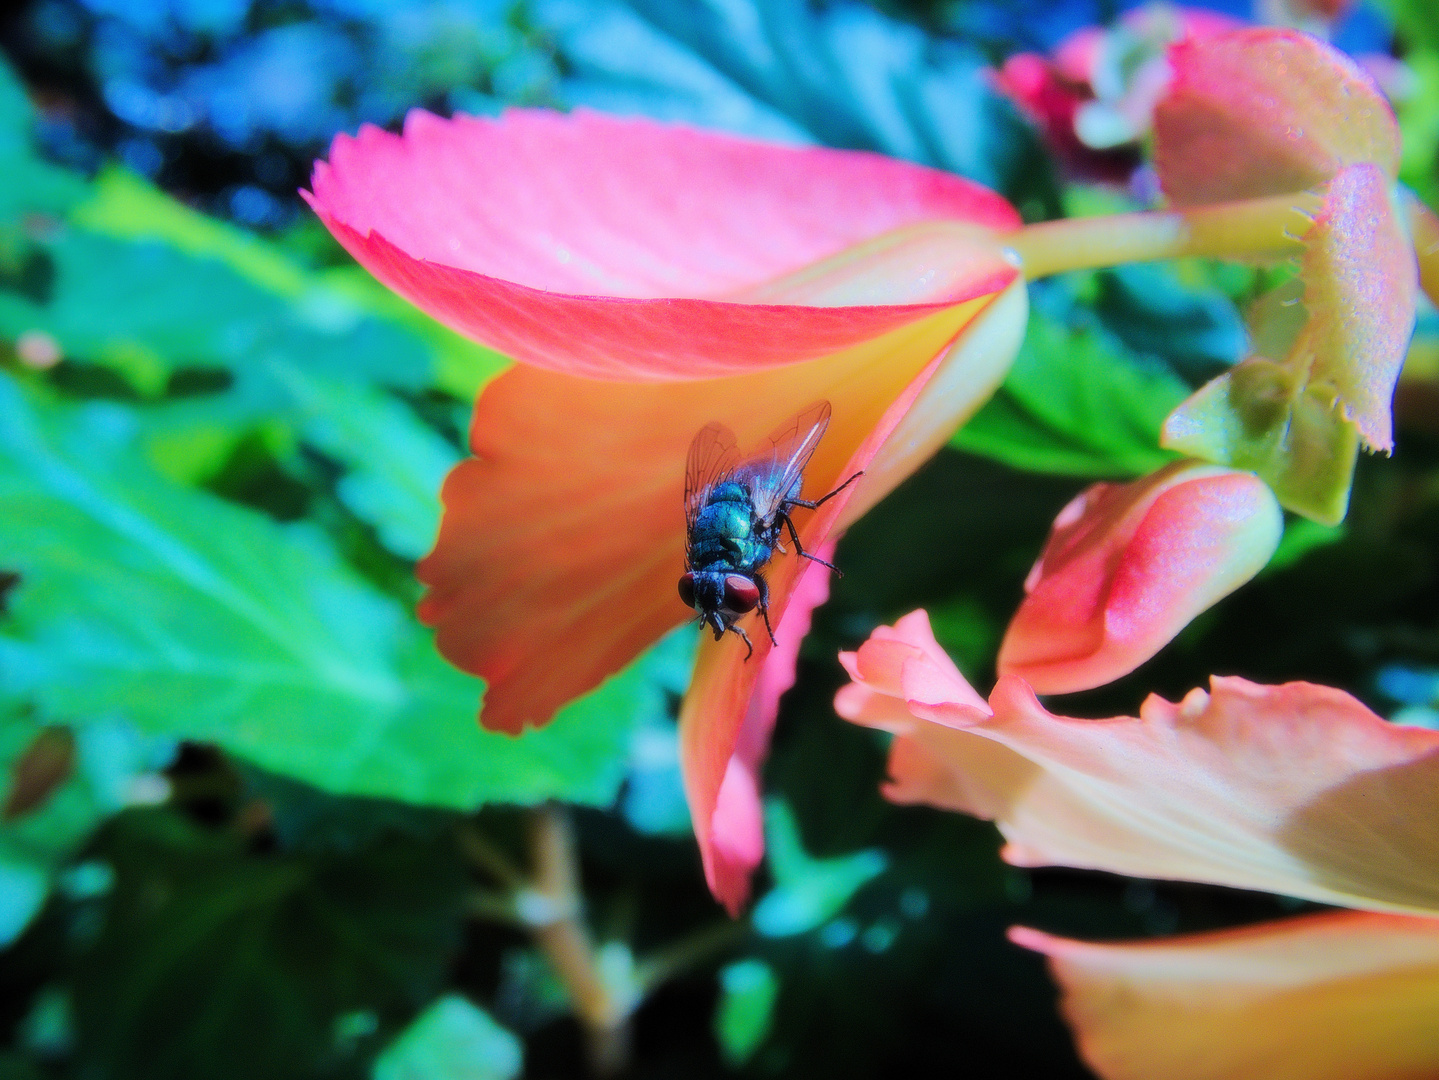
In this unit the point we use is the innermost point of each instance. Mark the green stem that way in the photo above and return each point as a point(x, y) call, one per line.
point(1266, 228)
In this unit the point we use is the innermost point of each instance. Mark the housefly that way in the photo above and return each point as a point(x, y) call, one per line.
point(735, 510)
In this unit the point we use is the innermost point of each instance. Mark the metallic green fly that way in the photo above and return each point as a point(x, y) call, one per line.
point(734, 512)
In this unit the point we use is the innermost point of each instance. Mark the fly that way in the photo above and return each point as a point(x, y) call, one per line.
point(734, 513)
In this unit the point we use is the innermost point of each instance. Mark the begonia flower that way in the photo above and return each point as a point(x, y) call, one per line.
point(651, 279)
point(1127, 566)
point(1333, 996)
point(1295, 789)
point(1264, 112)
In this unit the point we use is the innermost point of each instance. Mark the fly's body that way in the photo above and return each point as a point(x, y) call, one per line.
point(735, 512)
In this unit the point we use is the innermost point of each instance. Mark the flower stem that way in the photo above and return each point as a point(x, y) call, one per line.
point(1264, 228)
point(566, 943)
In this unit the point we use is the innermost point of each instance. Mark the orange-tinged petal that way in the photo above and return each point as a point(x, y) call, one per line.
point(1265, 111)
point(1128, 566)
point(1295, 789)
point(736, 840)
point(621, 248)
point(1337, 996)
point(563, 537)
point(723, 682)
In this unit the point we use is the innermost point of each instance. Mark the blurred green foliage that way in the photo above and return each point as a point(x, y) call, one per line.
point(220, 455)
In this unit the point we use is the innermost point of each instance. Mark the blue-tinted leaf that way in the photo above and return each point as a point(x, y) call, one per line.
point(808, 892)
point(842, 75)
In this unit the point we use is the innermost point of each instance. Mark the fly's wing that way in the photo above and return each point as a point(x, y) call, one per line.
point(713, 454)
point(772, 474)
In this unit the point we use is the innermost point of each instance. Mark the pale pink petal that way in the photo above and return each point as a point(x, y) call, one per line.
point(1128, 566)
point(1337, 996)
point(629, 249)
point(1360, 286)
point(737, 837)
point(1295, 789)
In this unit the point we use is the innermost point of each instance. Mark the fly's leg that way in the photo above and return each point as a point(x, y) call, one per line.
point(744, 637)
point(800, 551)
point(764, 607)
point(823, 498)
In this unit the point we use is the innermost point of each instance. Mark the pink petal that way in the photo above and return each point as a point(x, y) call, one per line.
point(623, 248)
point(1295, 789)
point(736, 839)
point(1265, 111)
point(1337, 996)
point(1128, 566)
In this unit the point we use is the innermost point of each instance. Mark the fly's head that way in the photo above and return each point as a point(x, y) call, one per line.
point(719, 597)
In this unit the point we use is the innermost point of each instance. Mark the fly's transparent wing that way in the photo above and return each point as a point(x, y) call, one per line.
point(713, 453)
point(775, 473)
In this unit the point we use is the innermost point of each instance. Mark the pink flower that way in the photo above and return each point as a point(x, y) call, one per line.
point(651, 279)
point(1093, 98)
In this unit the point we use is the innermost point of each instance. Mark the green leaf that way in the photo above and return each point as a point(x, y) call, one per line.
point(124, 207)
point(808, 891)
point(217, 963)
point(145, 308)
point(451, 1040)
point(1073, 404)
point(748, 992)
point(396, 463)
point(198, 619)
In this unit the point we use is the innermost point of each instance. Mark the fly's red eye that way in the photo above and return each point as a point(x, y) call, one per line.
point(740, 593)
point(687, 590)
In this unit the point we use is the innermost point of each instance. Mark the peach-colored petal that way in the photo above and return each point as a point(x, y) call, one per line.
point(1295, 789)
point(1128, 566)
point(1337, 996)
point(1265, 111)
point(563, 537)
point(735, 843)
point(627, 249)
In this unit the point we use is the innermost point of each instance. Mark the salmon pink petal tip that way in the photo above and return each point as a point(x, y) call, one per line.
point(732, 844)
point(1126, 567)
point(670, 260)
